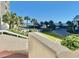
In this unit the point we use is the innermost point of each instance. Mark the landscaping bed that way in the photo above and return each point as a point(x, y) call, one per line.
point(22, 32)
point(71, 41)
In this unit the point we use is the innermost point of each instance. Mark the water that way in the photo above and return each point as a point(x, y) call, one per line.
point(61, 31)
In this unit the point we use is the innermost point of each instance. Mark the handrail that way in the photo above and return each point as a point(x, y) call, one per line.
point(13, 33)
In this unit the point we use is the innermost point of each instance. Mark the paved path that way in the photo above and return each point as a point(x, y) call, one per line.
point(12, 43)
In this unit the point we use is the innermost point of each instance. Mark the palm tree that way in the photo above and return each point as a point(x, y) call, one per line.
point(7, 19)
point(27, 19)
point(41, 23)
point(11, 19)
point(60, 24)
point(14, 20)
point(46, 23)
point(52, 26)
point(20, 19)
point(70, 26)
point(34, 22)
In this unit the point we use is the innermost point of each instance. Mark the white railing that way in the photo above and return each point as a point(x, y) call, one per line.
point(9, 32)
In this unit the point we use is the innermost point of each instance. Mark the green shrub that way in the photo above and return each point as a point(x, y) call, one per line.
point(71, 41)
point(19, 31)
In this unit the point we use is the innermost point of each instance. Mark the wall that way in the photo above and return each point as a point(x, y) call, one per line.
point(41, 47)
point(38, 49)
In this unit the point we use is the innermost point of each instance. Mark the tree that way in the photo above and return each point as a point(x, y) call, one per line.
point(14, 20)
point(46, 23)
point(20, 19)
point(7, 19)
point(11, 19)
point(41, 23)
point(70, 26)
point(52, 26)
point(60, 24)
point(27, 19)
point(34, 22)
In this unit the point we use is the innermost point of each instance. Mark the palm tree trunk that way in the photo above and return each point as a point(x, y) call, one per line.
point(10, 25)
point(27, 26)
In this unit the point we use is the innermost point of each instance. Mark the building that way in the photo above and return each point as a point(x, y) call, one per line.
point(4, 7)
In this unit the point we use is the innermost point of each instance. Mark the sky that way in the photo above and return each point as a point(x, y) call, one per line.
point(46, 10)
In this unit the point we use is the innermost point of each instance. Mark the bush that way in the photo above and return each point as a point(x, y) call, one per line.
point(71, 41)
point(19, 31)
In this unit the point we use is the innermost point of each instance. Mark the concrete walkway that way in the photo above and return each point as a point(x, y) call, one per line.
point(12, 43)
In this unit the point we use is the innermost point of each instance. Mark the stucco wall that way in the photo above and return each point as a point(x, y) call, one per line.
point(40, 47)
point(38, 50)
point(12, 43)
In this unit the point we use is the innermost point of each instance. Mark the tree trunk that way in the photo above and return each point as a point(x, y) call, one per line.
point(10, 25)
point(27, 26)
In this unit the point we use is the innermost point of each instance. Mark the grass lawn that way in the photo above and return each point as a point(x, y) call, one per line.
point(52, 36)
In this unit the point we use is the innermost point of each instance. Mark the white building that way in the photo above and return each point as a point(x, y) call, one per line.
point(4, 7)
